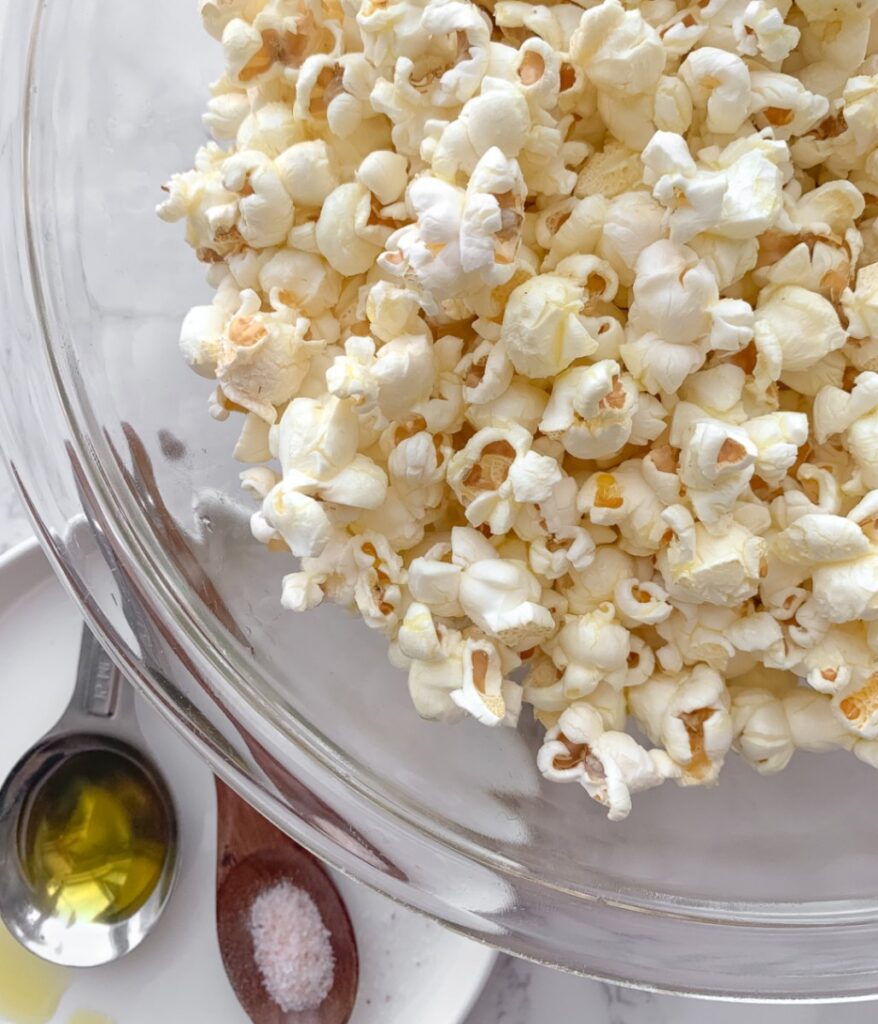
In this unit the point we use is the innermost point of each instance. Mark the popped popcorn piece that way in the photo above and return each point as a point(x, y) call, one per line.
point(502, 597)
point(641, 602)
point(670, 320)
point(761, 31)
point(398, 377)
point(201, 338)
point(784, 104)
point(496, 472)
point(623, 499)
point(316, 443)
point(263, 358)
point(592, 409)
point(690, 716)
point(802, 325)
point(861, 304)
point(717, 462)
point(623, 57)
point(700, 567)
point(348, 235)
point(588, 649)
point(462, 240)
point(719, 83)
point(558, 543)
point(609, 765)
point(550, 319)
point(307, 172)
point(761, 730)
point(216, 14)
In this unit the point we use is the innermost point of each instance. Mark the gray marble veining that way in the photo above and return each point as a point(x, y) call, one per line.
point(522, 993)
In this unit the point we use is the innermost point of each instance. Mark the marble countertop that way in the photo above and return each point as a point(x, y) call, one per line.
point(523, 993)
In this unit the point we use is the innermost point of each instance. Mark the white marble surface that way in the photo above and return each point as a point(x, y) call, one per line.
point(522, 993)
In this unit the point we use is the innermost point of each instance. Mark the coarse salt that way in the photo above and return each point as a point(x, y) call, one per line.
point(292, 947)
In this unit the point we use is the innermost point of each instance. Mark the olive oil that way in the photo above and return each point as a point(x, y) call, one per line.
point(94, 839)
point(30, 988)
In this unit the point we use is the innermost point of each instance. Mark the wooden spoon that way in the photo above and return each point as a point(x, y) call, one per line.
point(252, 856)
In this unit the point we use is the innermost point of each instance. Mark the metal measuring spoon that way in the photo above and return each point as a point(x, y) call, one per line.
point(99, 718)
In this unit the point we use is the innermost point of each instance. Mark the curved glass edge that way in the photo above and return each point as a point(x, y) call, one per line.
point(819, 961)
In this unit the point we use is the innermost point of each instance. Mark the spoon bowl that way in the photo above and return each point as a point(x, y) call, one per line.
point(253, 856)
point(98, 724)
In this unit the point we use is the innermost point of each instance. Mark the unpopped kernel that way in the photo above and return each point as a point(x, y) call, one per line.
point(553, 333)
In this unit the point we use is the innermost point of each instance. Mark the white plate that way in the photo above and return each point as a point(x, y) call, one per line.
point(411, 970)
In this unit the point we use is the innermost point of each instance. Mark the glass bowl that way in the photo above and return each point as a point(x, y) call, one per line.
point(763, 888)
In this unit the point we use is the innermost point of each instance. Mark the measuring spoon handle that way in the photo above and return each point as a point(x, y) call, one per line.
point(101, 694)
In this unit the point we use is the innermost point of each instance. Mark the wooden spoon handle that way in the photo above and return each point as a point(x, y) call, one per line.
point(241, 831)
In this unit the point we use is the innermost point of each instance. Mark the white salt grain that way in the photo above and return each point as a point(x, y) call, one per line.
point(292, 947)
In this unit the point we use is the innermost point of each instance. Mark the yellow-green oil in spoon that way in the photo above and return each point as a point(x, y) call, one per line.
point(94, 839)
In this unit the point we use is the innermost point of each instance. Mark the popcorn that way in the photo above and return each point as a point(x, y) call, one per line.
point(379, 575)
point(609, 765)
point(670, 319)
point(418, 638)
point(397, 378)
point(301, 281)
point(298, 519)
point(216, 14)
point(701, 567)
point(316, 443)
point(761, 730)
point(201, 338)
point(253, 443)
point(436, 582)
point(270, 129)
point(307, 173)
point(735, 194)
point(819, 539)
point(227, 109)
point(462, 240)
point(784, 104)
point(348, 235)
point(553, 332)
point(861, 304)
point(548, 321)
point(761, 31)
point(502, 597)
point(633, 222)
point(804, 326)
point(618, 49)
point(498, 471)
point(641, 602)
point(847, 591)
point(591, 410)
point(622, 498)
point(264, 357)
point(716, 465)
point(719, 84)
point(558, 544)
point(484, 693)
point(690, 716)
point(589, 648)
point(857, 707)
point(694, 634)
point(265, 210)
